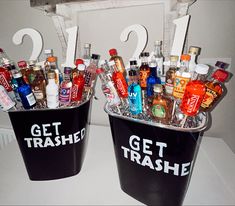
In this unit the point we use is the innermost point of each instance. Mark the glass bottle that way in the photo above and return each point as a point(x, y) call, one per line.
point(193, 52)
point(75, 70)
point(6, 102)
point(118, 61)
point(108, 89)
point(39, 86)
point(159, 58)
point(78, 84)
point(5, 79)
point(170, 75)
point(48, 53)
point(66, 88)
point(134, 94)
point(161, 106)
point(3, 57)
point(218, 65)
point(214, 89)
point(30, 73)
point(52, 61)
point(107, 70)
point(182, 77)
point(23, 69)
point(52, 91)
point(194, 92)
point(119, 82)
point(144, 70)
point(87, 54)
point(27, 98)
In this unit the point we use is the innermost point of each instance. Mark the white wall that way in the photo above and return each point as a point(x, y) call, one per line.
point(212, 28)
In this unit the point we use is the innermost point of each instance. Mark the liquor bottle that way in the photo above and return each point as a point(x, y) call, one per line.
point(108, 89)
point(170, 75)
point(133, 66)
point(193, 52)
point(214, 89)
point(52, 91)
point(39, 86)
point(144, 70)
point(30, 73)
point(3, 57)
point(161, 105)
point(48, 53)
point(27, 98)
point(78, 84)
point(66, 88)
point(194, 92)
point(218, 65)
point(118, 61)
point(119, 82)
point(52, 60)
point(5, 81)
point(23, 69)
point(159, 58)
point(6, 102)
point(90, 72)
point(152, 79)
point(87, 54)
point(182, 77)
point(75, 70)
point(107, 70)
point(134, 94)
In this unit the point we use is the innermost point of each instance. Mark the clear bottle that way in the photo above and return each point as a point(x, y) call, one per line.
point(161, 106)
point(87, 54)
point(6, 102)
point(144, 70)
point(214, 90)
point(193, 52)
point(182, 77)
point(52, 91)
point(159, 58)
point(194, 92)
point(134, 94)
point(108, 89)
point(66, 88)
point(78, 84)
point(23, 69)
point(107, 70)
point(30, 73)
point(170, 75)
point(118, 61)
point(27, 98)
point(48, 53)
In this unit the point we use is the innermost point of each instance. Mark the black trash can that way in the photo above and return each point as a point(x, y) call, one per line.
point(52, 141)
point(155, 162)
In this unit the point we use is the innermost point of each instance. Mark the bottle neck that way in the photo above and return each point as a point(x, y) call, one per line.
point(158, 51)
point(201, 77)
point(173, 64)
point(20, 81)
point(184, 67)
point(144, 60)
point(193, 58)
point(94, 62)
point(67, 77)
point(87, 53)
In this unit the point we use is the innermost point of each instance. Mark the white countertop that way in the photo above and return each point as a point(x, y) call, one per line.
point(212, 183)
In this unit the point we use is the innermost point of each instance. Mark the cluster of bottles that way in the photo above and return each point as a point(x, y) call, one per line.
point(28, 85)
point(174, 97)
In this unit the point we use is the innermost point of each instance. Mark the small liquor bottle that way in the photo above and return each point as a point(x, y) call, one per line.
point(144, 70)
point(52, 60)
point(182, 77)
point(161, 105)
point(27, 98)
point(52, 91)
point(30, 72)
point(194, 92)
point(23, 68)
point(75, 70)
point(87, 54)
point(66, 88)
point(78, 84)
point(214, 89)
point(5, 81)
point(170, 75)
point(118, 61)
point(133, 66)
point(6, 102)
point(134, 94)
point(48, 53)
point(193, 52)
point(159, 58)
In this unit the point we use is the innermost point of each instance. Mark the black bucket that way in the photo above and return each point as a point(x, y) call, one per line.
point(155, 161)
point(52, 141)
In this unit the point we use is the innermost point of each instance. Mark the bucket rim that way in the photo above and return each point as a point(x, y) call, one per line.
point(200, 128)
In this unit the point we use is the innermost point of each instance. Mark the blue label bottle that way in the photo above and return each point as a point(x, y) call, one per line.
point(134, 94)
point(152, 79)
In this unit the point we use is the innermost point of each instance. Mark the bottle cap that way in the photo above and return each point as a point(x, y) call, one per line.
point(185, 57)
point(157, 88)
point(174, 58)
point(133, 62)
point(87, 45)
point(132, 72)
point(221, 65)
point(194, 50)
point(16, 73)
point(201, 69)
point(95, 56)
point(81, 67)
point(221, 75)
point(32, 62)
point(1, 50)
point(48, 51)
point(51, 75)
point(22, 64)
point(37, 68)
point(113, 52)
point(79, 61)
point(158, 42)
point(144, 54)
point(111, 63)
point(52, 59)
point(99, 71)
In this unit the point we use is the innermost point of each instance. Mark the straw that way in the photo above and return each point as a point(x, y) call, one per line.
point(183, 121)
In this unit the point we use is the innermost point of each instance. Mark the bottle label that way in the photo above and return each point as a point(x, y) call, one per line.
point(76, 92)
point(38, 93)
point(4, 83)
point(121, 88)
point(169, 88)
point(135, 102)
point(159, 66)
point(5, 101)
point(65, 95)
point(143, 78)
point(52, 100)
point(31, 99)
point(179, 86)
point(158, 111)
point(209, 98)
point(88, 79)
point(192, 103)
point(111, 94)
